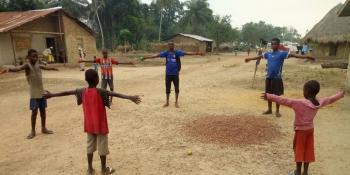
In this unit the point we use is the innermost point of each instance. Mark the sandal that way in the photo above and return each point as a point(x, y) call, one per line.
point(292, 173)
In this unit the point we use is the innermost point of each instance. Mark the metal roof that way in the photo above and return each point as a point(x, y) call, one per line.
point(196, 37)
point(12, 20)
point(345, 11)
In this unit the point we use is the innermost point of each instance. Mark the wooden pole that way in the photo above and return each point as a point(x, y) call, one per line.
point(13, 48)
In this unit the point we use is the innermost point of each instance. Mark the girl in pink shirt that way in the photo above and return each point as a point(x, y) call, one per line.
point(305, 112)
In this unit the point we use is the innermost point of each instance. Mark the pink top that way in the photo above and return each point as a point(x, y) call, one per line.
point(305, 110)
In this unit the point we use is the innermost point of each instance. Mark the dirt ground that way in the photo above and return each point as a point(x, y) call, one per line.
point(149, 139)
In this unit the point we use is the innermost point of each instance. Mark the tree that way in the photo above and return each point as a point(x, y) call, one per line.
point(166, 13)
point(21, 5)
point(197, 16)
point(221, 30)
point(77, 8)
point(93, 14)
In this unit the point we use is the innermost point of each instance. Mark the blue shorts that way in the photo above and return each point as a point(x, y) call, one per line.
point(36, 103)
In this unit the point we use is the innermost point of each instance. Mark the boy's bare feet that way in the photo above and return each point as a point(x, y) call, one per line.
point(267, 112)
point(107, 170)
point(278, 114)
point(165, 105)
point(46, 131)
point(90, 171)
point(31, 135)
point(177, 105)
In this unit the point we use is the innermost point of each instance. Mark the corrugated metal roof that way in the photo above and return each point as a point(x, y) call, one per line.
point(196, 37)
point(12, 20)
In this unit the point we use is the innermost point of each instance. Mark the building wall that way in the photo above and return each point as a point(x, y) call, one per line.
point(347, 83)
point(46, 24)
point(75, 36)
point(179, 39)
point(320, 50)
point(6, 52)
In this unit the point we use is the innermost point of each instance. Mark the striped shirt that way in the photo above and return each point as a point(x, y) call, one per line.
point(106, 67)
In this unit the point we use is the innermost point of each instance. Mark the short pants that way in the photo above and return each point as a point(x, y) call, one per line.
point(36, 103)
point(303, 146)
point(97, 141)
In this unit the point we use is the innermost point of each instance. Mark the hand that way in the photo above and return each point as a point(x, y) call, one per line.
point(247, 60)
point(263, 96)
point(136, 99)
point(4, 71)
point(201, 53)
point(343, 92)
point(47, 94)
point(141, 59)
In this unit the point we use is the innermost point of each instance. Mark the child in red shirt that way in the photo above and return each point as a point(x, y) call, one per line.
point(94, 101)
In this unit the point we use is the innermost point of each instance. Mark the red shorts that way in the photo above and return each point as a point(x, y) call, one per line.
point(303, 146)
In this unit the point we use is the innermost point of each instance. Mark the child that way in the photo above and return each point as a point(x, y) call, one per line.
point(106, 64)
point(36, 89)
point(95, 65)
point(305, 112)
point(94, 101)
point(275, 60)
point(173, 66)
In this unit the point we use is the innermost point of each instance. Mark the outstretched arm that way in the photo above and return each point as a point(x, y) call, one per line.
point(194, 53)
point(278, 99)
point(86, 61)
point(151, 56)
point(60, 94)
point(329, 100)
point(302, 56)
point(136, 99)
point(15, 69)
point(48, 68)
point(254, 58)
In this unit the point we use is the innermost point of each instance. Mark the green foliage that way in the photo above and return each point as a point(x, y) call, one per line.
point(138, 24)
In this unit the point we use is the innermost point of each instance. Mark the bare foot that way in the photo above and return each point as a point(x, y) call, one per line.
point(267, 112)
point(107, 170)
point(31, 135)
point(165, 105)
point(177, 105)
point(46, 131)
point(278, 114)
point(90, 171)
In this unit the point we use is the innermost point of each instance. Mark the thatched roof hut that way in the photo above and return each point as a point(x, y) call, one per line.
point(331, 28)
point(330, 38)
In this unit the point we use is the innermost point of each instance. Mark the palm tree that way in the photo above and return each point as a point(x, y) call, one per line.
point(197, 15)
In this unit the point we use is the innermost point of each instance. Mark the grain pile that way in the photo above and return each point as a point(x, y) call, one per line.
point(238, 130)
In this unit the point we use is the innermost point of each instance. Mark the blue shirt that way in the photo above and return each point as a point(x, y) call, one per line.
point(172, 67)
point(275, 63)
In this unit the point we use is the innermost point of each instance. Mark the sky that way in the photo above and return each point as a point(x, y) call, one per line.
point(300, 14)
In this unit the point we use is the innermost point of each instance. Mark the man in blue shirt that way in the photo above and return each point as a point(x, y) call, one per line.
point(275, 60)
point(173, 67)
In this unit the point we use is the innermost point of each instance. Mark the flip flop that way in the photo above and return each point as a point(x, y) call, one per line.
point(108, 170)
point(292, 173)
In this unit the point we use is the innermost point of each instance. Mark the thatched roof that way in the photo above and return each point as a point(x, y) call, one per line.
point(345, 11)
point(331, 28)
